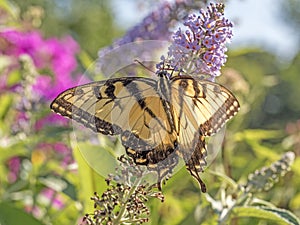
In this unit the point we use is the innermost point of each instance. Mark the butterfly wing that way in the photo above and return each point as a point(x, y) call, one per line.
point(201, 108)
point(130, 107)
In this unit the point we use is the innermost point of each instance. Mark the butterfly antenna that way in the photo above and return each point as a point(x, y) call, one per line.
point(139, 62)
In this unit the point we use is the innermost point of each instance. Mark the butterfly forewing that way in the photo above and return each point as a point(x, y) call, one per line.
point(127, 106)
point(201, 104)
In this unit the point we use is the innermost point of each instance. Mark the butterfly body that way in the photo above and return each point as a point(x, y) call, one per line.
point(157, 120)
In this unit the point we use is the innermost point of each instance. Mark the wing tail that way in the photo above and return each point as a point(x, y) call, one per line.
point(196, 163)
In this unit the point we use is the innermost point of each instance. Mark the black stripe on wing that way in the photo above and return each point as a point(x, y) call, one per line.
point(131, 107)
point(143, 153)
point(211, 104)
point(224, 109)
point(65, 108)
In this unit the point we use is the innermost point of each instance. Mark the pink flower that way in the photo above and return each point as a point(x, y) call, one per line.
point(51, 119)
point(58, 151)
point(14, 165)
point(53, 55)
point(48, 195)
point(55, 60)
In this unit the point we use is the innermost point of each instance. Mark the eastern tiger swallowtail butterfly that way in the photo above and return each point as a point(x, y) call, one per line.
point(155, 118)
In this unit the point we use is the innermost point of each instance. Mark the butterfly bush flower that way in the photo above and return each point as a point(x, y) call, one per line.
point(201, 47)
point(52, 55)
point(266, 177)
point(47, 67)
point(261, 180)
point(55, 63)
point(124, 201)
point(156, 26)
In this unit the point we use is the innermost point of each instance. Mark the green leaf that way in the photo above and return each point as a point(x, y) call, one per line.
point(102, 159)
point(280, 216)
point(90, 180)
point(225, 178)
point(16, 149)
point(6, 101)
point(9, 215)
point(14, 77)
point(255, 137)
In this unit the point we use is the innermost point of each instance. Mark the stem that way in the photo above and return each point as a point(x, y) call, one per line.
point(226, 164)
point(122, 211)
point(224, 217)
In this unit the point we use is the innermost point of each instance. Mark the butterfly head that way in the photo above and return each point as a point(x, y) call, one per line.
point(164, 74)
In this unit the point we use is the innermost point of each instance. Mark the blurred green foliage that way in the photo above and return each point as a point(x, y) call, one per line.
point(268, 92)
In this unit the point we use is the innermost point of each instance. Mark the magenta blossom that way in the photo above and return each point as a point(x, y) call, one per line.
point(53, 55)
point(58, 151)
point(49, 196)
point(14, 165)
point(54, 60)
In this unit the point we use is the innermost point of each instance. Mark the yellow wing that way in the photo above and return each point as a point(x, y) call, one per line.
point(128, 106)
point(200, 108)
point(153, 124)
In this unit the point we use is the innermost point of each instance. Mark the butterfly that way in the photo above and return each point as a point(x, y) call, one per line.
point(158, 120)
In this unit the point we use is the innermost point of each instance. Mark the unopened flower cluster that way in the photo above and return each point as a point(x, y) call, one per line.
point(264, 179)
point(200, 49)
point(123, 202)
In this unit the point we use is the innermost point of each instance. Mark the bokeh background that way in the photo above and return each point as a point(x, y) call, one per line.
point(43, 177)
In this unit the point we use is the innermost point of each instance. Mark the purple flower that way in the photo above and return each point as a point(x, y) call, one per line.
point(46, 197)
point(156, 26)
point(51, 119)
point(36, 211)
point(57, 150)
point(208, 42)
point(22, 43)
point(201, 48)
point(63, 63)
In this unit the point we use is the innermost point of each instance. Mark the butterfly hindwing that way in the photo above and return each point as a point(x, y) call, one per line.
point(197, 161)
